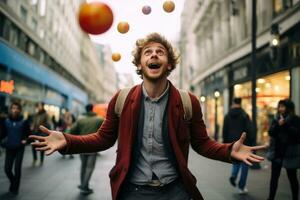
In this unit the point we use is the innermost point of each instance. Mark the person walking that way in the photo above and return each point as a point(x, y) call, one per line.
point(284, 133)
point(15, 131)
point(40, 118)
point(152, 133)
point(87, 123)
point(235, 123)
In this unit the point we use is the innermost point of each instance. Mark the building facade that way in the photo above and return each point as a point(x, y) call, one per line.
point(220, 36)
point(109, 76)
point(44, 56)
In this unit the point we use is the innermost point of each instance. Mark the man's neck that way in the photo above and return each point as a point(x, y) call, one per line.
point(155, 89)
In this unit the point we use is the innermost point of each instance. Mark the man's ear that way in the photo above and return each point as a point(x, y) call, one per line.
point(169, 67)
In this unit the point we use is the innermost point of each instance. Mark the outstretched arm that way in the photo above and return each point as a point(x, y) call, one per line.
point(245, 153)
point(54, 141)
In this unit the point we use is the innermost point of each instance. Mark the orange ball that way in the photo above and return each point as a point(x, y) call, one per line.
point(169, 6)
point(123, 27)
point(95, 18)
point(116, 57)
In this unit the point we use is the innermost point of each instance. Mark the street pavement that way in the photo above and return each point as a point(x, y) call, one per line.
point(58, 179)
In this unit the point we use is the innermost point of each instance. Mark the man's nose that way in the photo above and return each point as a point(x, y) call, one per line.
point(154, 54)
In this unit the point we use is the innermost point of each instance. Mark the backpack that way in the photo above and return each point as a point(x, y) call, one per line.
point(185, 99)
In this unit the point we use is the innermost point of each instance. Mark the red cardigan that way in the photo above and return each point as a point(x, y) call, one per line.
point(125, 130)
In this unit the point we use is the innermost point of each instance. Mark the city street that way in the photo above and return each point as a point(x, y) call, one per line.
point(58, 179)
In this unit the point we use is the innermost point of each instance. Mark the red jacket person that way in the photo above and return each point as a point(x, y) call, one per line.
point(153, 136)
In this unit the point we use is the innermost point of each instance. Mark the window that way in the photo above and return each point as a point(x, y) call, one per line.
point(42, 33)
point(22, 41)
point(23, 13)
point(34, 24)
point(280, 6)
point(13, 35)
point(34, 2)
point(31, 48)
point(6, 27)
point(42, 6)
point(42, 56)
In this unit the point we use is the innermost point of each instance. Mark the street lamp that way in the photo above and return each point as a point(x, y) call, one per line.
point(275, 40)
point(202, 98)
point(216, 95)
point(275, 35)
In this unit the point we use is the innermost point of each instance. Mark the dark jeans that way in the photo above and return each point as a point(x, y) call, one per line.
point(34, 154)
point(292, 176)
point(14, 156)
point(174, 191)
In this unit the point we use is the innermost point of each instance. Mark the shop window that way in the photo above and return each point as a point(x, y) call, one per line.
point(13, 35)
point(270, 89)
point(22, 41)
point(31, 47)
point(56, 97)
point(27, 88)
point(280, 6)
point(6, 28)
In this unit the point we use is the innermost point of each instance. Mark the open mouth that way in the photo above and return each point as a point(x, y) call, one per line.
point(154, 65)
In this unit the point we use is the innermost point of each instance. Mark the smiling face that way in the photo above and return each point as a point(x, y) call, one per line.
point(154, 63)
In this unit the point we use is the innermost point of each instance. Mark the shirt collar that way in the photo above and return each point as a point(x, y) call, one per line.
point(157, 98)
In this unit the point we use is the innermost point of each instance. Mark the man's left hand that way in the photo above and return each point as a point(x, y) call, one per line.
point(245, 153)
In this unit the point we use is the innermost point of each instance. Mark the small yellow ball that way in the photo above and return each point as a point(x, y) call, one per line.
point(123, 27)
point(169, 6)
point(116, 57)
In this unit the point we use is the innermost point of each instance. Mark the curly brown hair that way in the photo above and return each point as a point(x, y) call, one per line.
point(173, 55)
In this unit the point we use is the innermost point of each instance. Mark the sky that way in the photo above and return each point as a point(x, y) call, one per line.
point(168, 24)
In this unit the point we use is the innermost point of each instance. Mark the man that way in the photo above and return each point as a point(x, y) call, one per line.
point(235, 123)
point(40, 118)
point(88, 123)
point(15, 130)
point(153, 136)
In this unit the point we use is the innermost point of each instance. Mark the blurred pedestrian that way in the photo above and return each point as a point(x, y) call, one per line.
point(15, 132)
point(87, 123)
point(40, 118)
point(152, 133)
point(3, 116)
point(285, 146)
point(235, 123)
point(67, 120)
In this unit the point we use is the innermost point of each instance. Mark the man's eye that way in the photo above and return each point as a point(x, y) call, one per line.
point(147, 53)
point(161, 53)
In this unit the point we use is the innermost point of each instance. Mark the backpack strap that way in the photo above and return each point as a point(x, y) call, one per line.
point(121, 100)
point(187, 104)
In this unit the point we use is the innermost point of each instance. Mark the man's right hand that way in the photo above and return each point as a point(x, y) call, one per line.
point(54, 141)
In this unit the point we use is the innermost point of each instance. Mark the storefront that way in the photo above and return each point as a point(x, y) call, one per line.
point(270, 89)
point(212, 102)
point(29, 82)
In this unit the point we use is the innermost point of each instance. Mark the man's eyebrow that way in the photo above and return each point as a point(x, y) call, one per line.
point(159, 47)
